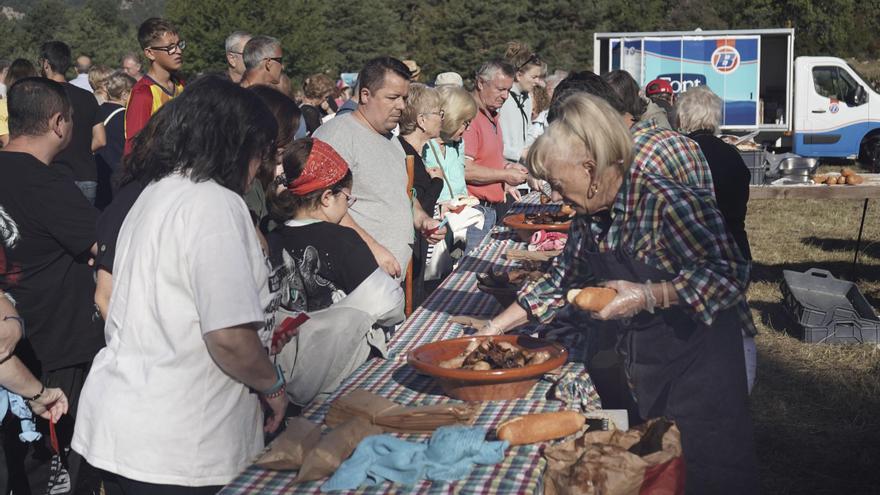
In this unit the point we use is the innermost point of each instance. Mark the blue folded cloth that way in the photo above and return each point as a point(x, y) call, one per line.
point(19, 408)
point(448, 456)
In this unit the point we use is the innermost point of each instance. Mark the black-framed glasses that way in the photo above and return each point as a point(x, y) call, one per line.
point(534, 59)
point(279, 60)
point(180, 46)
point(467, 124)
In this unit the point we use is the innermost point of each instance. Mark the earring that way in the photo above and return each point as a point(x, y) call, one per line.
point(594, 188)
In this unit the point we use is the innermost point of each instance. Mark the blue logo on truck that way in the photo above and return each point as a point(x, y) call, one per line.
point(683, 82)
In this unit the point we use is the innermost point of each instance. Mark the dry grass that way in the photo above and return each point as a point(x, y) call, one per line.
point(816, 407)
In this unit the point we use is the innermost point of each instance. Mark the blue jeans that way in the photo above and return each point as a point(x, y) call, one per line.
point(89, 189)
point(474, 236)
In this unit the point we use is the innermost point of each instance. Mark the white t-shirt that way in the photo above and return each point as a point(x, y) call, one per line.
point(155, 407)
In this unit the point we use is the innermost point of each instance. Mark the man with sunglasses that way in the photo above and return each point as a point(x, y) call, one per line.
point(263, 62)
point(163, 48)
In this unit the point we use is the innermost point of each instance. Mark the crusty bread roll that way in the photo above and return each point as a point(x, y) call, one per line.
point(841, 180)
point(819, 179)
point(831, 180)
point(854, 179)
point(533, 428)
point(591, 298)
point(846, 172)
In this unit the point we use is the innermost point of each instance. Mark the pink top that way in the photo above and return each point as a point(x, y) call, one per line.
point(483, 144)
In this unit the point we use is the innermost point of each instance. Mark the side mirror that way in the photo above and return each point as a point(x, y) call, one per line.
point(857, 96)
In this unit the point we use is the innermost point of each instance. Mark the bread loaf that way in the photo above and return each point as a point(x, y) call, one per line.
point(841, 180)
point(831, 180)
point(846, 172)
point(854, 179)
point(533, 428)
point(591, 298)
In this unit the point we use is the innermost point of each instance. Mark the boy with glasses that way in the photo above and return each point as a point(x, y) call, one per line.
point(164, 49)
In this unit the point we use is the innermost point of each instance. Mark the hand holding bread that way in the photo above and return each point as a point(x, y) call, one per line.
point(591, 298)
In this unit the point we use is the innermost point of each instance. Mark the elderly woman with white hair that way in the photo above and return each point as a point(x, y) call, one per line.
point(680, 289)
point(699, 116)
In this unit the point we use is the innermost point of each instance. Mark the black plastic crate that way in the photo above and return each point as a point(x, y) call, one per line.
point(754, 160)
point(829, 309)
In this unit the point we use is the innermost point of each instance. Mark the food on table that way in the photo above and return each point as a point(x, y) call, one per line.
point(486, 354)
point(511, 278)
point(854, 179)
point(547, 218)
point(533, 428)
point(847, 176)
point(591, 298)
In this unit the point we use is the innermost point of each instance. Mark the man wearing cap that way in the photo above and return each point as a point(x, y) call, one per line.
point(660, 99)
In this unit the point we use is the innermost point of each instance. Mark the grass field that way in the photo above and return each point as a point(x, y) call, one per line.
point(816, 407)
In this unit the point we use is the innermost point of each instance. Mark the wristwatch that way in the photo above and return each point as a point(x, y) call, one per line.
point(278, 388)
point(20, 321)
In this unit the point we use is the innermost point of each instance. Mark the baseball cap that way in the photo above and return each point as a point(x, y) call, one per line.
point(658, 86)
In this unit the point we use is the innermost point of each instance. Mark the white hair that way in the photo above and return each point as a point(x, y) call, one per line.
point(698, 109)
point(259, 48)
point(233, 41)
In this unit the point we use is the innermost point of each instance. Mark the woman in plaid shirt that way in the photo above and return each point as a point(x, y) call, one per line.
point(680, 285)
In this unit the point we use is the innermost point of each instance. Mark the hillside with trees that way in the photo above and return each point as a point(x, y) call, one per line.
point(440, 34)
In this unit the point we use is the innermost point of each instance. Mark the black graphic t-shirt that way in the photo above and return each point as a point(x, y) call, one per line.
point(46, 229)
point(321, 263)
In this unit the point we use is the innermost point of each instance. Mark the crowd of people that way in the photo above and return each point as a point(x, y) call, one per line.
point(183, 264)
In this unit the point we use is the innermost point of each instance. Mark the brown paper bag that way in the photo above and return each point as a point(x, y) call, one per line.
point(645, 459)
point(335, 447)
point(289, 449)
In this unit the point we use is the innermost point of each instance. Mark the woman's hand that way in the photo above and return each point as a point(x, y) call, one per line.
point(278, 407)
point(51, 405)
point(632, 299)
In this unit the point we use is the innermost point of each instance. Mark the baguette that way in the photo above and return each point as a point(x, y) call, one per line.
point(534, 428)
point(591, 298)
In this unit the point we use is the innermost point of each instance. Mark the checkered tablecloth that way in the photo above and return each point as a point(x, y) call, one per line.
point(523, 467)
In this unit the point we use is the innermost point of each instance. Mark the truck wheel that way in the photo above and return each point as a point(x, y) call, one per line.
point(870, 153)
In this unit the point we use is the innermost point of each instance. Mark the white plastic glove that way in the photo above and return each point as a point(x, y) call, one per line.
point(631, 299)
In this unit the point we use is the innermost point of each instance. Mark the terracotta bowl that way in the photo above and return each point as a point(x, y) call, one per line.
point(525, 230)
point(472, 385)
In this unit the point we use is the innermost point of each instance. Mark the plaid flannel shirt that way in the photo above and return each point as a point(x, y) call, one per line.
point(672, 225)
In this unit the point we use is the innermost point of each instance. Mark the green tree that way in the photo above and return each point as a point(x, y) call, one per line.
point(299, 25)
point(99, 31)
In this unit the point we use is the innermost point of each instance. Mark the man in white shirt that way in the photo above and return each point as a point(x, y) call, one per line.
point(83, 64)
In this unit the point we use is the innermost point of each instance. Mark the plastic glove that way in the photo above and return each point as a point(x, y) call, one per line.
point(631, 300)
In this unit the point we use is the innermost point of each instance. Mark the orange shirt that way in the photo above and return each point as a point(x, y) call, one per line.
point(147, 97)
point(484, 145)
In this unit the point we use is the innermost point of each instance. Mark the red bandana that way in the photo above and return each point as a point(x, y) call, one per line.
point(324, 168)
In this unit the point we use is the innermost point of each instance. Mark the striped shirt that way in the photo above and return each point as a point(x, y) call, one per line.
point(147, 97)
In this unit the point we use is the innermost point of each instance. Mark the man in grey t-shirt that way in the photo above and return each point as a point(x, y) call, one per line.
point(383, 215)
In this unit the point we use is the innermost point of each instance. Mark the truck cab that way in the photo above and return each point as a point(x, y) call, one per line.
point(836, 114)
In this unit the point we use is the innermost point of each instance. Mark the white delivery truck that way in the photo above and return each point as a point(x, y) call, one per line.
point(814, 106)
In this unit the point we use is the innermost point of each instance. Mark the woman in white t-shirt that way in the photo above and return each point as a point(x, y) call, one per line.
point(172, 404)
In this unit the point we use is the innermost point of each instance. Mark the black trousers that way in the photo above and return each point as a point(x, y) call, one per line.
point(119, 485)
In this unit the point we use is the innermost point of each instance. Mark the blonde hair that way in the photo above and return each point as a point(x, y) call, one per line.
point(117, 84)
point(420, 100)
point(521, 56)
point(697, 109)
point(98, 76)
point(459, 107)
point(590, 122)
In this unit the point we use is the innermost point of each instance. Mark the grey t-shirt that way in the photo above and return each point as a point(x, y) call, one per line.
point(378, 165)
